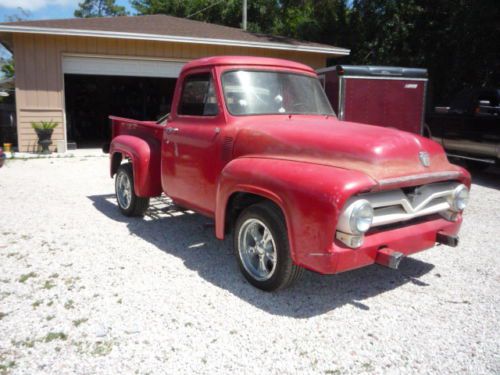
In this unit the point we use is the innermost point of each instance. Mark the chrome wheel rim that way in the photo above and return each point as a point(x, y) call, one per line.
point(123, 190)
point(257, 249)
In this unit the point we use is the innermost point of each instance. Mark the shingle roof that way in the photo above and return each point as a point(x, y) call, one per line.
point(162, 25)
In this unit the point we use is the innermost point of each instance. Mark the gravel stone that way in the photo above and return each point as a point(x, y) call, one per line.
point(160, 294)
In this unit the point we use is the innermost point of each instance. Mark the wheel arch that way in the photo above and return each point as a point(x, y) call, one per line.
point(145, 159)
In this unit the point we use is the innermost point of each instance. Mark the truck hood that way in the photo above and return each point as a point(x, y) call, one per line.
point(381, 153)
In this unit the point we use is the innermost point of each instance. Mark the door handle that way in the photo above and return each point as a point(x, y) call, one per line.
point(172, 130)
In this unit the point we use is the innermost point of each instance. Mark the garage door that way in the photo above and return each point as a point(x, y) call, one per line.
point(121, 67)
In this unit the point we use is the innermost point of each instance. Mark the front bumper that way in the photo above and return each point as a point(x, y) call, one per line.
point(407, 240)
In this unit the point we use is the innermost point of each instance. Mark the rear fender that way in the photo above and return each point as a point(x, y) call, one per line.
point(309, 195)
point(145, 157)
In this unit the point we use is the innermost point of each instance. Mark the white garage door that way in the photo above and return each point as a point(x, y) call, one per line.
point(121, 67)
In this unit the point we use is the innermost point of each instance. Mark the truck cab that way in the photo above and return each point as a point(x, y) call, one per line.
point(254, 144)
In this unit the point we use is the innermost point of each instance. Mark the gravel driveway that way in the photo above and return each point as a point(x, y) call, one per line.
point(85, 290)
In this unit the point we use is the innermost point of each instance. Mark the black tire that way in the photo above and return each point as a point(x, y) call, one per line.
point(137, 206)
point(285, 271)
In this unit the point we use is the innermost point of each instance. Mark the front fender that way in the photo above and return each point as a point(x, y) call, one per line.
point(309, 195)
point(145, 157)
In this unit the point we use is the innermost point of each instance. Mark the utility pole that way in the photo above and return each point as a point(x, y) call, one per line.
point(244, 14)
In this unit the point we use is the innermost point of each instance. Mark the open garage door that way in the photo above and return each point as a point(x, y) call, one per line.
point(98, 87)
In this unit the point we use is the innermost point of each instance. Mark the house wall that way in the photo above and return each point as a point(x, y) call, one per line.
point(40, 81)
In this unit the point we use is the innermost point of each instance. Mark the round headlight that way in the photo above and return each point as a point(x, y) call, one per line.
point(459, 198)
point(361, 217)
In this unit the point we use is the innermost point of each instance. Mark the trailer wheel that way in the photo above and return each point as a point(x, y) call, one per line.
point(128, 202)
point(262, 248)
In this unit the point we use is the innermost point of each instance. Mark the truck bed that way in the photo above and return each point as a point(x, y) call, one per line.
point(147, 130)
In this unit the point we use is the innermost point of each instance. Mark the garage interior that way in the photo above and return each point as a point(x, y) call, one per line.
point(91, 99)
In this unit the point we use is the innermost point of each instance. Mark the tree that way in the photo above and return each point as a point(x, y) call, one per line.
point(7, 67)
point(99, 8)
point(453, 39)
point(261, 13)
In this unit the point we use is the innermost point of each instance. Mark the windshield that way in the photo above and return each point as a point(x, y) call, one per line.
point(249, 92)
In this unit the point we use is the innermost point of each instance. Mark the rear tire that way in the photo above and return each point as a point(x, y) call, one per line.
point(128, 202)
point(262, 248)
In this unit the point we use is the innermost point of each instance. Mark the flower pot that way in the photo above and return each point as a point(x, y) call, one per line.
point(7, 147)
point(44, 139)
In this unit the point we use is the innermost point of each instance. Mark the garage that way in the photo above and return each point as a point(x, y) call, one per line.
point(96, 87)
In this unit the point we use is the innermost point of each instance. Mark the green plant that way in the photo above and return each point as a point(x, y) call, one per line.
point(44, 125)
point(51, 336)
point(27, 276)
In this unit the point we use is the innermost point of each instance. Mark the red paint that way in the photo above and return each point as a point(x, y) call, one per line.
point(308, 165)
point(383, 100)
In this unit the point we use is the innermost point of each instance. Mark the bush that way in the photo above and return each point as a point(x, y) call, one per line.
point(44, 125)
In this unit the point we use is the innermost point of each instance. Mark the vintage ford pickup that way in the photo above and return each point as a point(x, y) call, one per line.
point(254, 144)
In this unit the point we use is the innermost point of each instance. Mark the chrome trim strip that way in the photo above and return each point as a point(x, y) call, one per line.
point(389, 78)
point(416, 177)
point(341, 108)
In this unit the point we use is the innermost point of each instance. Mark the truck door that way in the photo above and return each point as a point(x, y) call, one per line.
point(191, 152)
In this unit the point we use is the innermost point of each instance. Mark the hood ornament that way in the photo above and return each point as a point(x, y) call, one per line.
point(424, 158)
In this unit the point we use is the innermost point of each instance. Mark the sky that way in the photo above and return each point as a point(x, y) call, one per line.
point(44, 9)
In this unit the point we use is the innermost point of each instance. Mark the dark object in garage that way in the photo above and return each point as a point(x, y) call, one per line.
point(469, 129)
point(90, 98)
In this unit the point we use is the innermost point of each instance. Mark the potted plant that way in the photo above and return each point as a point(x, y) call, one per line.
point(44, 131)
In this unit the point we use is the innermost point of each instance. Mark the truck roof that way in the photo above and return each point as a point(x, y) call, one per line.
point(246, 60)
point(380, 71)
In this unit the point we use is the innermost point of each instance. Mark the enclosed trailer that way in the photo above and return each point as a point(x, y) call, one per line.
point(377, 95)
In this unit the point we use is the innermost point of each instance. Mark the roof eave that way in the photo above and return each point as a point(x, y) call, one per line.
point(334, 51)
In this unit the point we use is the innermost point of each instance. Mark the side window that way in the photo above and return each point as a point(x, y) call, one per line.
point(198, 96)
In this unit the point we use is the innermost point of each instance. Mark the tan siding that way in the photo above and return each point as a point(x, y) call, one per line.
point(40, 82)
point(28, 137)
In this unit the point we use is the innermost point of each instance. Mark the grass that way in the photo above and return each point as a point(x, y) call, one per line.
point(51, 336)
point(50, 317)
point(78, 322)
point(102, 348)
point(4, 367)
point(27, 343)
point(37, 303)
point(70, 304)
point(27, 276)
point(48, 285)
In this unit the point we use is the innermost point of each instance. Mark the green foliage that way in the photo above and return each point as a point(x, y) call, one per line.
point(261, 13)
point(99, 8)
point(453, 39)
point(51, 336)
point(7, 68)
point(44, 125)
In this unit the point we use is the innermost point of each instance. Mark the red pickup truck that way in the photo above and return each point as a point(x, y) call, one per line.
point(254, 144)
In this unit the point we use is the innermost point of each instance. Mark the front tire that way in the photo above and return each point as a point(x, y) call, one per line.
point(128, 202)
point(262, 248)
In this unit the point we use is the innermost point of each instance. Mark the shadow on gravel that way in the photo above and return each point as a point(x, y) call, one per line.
point(490, 177)
point(190, 237)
